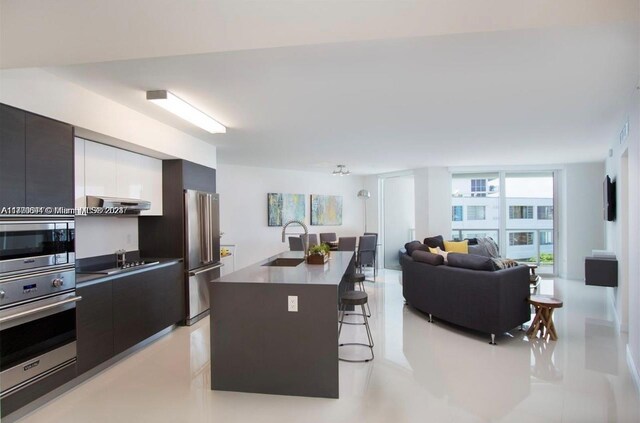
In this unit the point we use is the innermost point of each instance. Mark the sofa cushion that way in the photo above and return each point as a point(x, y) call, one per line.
point(471, 261)
point(427, 257)
point(415, 245)
point(457, 246)
point(435, 242)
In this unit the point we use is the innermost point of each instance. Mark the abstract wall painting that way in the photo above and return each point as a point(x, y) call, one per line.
point(282, 208)
point(326, 210)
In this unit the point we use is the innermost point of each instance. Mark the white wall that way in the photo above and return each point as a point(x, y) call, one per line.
point(633, 231)
point(243, 207)
point(581, 219)
point(399, 216)
point(41, 92)
point(433, 202)
point(97, 236)
point(622, 234)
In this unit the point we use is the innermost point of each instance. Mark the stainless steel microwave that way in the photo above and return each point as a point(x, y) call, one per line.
point(33, 245)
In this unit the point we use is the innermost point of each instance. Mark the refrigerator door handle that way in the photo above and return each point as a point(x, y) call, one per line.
point(210, 220)
point(208, 269)
point(207, 224)
point(202, 228)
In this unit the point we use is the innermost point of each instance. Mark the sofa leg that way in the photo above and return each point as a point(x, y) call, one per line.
point(430, 318)
point(493, 339)
point(521, 328)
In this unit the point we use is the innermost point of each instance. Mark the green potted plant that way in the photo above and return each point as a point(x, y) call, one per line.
point(318, 254)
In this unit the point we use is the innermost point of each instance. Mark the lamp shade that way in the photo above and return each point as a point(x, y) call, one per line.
point(364, 194)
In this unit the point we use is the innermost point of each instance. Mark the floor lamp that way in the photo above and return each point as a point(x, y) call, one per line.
point(364, 195)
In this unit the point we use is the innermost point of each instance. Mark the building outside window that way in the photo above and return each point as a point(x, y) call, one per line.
point(476, 213)
point(456, 213)
point(521, 212)
point(546, 238)
point(545, 212)
point(520, 238)
point(478, 187)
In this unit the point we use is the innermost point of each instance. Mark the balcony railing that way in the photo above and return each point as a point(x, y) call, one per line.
point(540, 254)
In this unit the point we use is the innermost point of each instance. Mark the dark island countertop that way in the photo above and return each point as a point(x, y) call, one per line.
point(274, 330)
point(330, 273)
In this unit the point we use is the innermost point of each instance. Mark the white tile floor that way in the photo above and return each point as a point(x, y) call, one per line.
point(422, 372)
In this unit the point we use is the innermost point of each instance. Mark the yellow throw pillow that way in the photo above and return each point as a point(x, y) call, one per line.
point(457, 247)
point(434, 250)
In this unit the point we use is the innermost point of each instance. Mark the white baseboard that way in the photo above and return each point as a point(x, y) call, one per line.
point(612, 299)
point(633, 369)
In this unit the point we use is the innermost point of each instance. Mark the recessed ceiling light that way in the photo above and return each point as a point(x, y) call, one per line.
point(186, 111)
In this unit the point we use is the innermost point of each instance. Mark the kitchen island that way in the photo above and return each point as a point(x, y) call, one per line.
point(274, 326)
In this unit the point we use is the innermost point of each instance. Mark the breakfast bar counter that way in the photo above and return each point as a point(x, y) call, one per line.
point(274, 326)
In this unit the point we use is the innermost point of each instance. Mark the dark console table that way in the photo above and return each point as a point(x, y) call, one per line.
point(601, 271)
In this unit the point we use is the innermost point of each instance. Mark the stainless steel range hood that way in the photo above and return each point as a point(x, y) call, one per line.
point(113, 206)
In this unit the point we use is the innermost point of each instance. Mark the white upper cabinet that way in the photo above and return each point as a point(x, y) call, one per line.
point(113, 172)
point(137, 177)
point(100, 169)
point(79, 173)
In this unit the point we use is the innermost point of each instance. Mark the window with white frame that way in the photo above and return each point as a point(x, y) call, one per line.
point(546, 237)
point(478, 187)
point(476, 213)
point(520, 238)
point(520, 212)
point(545, 212)
point(456, 213)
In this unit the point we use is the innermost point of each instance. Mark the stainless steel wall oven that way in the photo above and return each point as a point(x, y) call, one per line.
point(37, 301)
point(31, 245)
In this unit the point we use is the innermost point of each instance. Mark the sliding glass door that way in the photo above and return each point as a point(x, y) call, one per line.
point(528, 209)
point(516, 209)
point(475, 206)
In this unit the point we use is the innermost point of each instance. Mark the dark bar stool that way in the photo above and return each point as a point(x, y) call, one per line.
point(355, 298)
point(358, 279)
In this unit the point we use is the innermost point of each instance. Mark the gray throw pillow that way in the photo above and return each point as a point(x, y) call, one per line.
point(479, 250)
point(471, 261)
point(426, 257)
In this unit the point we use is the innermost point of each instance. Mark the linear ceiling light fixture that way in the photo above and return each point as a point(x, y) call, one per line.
point(341, 170)
point(186, 111)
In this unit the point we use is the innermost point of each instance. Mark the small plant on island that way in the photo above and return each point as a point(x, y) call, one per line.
point(319, 250)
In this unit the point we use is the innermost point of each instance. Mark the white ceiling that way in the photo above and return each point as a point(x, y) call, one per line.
point(61, 32)
point(508, 97)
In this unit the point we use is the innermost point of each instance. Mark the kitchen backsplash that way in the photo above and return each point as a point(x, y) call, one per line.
point(96, 236)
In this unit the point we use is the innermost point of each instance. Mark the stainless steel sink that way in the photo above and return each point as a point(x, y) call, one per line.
point(285, 262)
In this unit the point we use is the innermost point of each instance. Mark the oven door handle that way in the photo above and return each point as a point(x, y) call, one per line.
point(39, 309)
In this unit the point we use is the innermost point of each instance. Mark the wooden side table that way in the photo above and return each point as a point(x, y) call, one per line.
point(543, 321)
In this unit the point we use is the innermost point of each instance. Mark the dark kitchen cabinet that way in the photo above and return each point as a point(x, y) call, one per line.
point(198, 177)
point(163, 236)
point(36, 160)
point(12, 160)
point(94, 316)
point(145, 303)
point(49, 163)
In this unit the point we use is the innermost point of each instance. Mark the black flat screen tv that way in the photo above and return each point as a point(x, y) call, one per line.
point(609, 199)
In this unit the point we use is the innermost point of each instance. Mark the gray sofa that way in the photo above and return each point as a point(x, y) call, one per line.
point(487, 301)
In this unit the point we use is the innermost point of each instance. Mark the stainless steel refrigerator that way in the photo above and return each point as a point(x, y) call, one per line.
point(202, 250)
